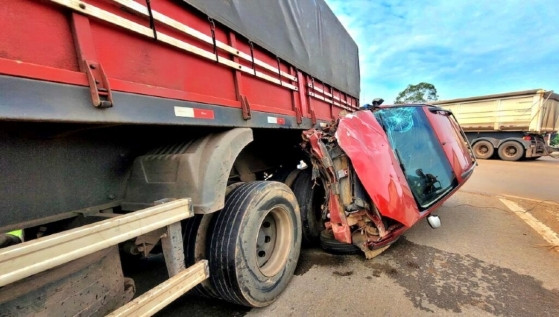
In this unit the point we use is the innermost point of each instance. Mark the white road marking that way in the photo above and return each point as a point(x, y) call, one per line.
point(543, 230)
point(531, 199)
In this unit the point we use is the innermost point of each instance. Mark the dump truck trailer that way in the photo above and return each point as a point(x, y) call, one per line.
point(512, 126)
point(220, 135)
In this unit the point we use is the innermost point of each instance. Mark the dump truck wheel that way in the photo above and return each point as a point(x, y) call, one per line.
point(511, 151)
point(483, 149)
point(333, 246)
point(255, 243)
point(310, 196)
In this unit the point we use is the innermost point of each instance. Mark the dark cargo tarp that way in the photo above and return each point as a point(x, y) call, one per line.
point(303, 32)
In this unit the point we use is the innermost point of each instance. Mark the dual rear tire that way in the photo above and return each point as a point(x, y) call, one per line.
point(507, 151)
point(252, 245)
point(511, 151)
point(483, 149)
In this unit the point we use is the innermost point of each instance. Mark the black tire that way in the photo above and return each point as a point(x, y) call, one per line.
point(248, 273)
point(333, 246)
point(196, 234)
point(285, 176)
point(483, 149)
point(511, 151)
point(196, 231)
point(310, 199)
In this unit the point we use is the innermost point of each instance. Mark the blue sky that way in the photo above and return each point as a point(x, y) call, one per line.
point(464, 48)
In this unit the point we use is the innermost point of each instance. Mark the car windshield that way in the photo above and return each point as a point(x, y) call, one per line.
point(421, 156)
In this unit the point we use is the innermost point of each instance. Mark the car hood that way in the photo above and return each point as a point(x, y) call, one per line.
point(362, 138)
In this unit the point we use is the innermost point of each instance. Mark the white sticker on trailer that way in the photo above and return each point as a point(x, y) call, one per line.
point(184, 112)
point(276, 120)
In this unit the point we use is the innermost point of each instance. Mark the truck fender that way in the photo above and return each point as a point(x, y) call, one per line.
point(198, 168)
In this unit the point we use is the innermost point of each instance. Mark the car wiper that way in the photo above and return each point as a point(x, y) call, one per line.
point(400, 160)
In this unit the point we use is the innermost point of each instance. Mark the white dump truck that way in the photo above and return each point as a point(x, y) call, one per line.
point(512, 126)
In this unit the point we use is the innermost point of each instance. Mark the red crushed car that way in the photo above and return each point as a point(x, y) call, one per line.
point(381, 171)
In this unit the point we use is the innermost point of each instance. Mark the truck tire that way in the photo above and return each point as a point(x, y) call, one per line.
point(333, 246)
point(483, 149)
point(248, 273)
point(511, 151)
point(196, 231)
point(310, 198)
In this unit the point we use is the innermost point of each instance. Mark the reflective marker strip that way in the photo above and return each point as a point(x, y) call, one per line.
point(194, 113)
point(276, 120)
point(203, 114)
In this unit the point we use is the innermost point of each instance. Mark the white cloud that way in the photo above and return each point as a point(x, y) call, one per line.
point(464, 48)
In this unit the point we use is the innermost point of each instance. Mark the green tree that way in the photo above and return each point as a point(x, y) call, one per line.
point(420, 93)
point(555, 140)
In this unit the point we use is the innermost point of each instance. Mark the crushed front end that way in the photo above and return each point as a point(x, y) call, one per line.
point(382, 171)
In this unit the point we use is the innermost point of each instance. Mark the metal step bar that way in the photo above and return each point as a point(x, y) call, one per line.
point(162, 295)
point(34, 256)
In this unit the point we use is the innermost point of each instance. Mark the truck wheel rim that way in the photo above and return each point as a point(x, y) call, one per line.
point(274, 241)
point(510, 151)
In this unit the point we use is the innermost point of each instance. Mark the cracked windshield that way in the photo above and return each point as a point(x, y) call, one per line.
point(415, 145)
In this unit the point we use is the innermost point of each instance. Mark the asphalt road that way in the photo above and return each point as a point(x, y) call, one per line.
point(485, 260)
point(537, 179)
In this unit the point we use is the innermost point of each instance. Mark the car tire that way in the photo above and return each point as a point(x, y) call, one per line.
point(244, 272)
point(483, 149)
point(511, 151)
point(333, 246)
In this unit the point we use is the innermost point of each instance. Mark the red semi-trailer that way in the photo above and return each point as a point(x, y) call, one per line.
point(184, 128)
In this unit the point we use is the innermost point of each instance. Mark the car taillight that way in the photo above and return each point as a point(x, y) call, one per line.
point(527, 138)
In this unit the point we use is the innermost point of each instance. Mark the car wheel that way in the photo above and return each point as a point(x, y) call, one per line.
point(331, 245)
